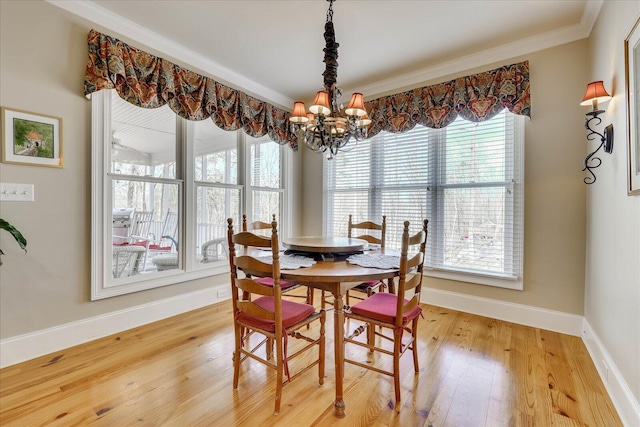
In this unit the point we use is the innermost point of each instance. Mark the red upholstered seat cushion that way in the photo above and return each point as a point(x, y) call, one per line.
point(382, 306)
point(268, 281)
point(160, 248)
point(142, 243)
point(292, 313)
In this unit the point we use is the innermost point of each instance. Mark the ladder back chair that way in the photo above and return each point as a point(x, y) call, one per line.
point(396, 313)
point(286, 286)
point(139, 235)
point(268, 314)
point(365, 227)
point(168, 239)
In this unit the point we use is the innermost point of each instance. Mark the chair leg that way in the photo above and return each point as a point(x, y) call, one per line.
point(321, 349)
point(237, 356)
point(323, 300)
point(397, 345)
point(309, 295)
point(392, 286)
point(279, 374)
point(269, 348)
point(414, 344)
point(371, 335)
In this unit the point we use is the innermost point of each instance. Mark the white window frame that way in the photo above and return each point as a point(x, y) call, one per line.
point(513, 233)
point(103, 285)
point(285, 183)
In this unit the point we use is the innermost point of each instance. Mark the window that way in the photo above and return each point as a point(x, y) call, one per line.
point(466, 179)
point(218, 189)
point(267, 192)
point(163, 188)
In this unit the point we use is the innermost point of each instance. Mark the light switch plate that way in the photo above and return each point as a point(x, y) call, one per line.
point(16, 192)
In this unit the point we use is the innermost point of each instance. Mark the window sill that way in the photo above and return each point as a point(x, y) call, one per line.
point(507, 282)
point(168, 277)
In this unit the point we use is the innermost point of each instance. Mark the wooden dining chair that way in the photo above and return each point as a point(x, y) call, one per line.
point(396, 313)
point(287, 287)
point(364, 231)
point(260, 309)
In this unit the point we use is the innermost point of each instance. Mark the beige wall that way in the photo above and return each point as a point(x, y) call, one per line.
point(612, 300)
point(554, 192)
point(43, 53)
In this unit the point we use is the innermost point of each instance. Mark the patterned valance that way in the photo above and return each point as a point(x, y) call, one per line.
point(476, 98)
point(147, 81)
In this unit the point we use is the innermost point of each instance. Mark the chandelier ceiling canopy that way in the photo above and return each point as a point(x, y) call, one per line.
point(328, 128)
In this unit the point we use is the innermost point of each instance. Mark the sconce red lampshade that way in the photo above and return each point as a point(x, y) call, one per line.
point(595, 93)
point(299, 114)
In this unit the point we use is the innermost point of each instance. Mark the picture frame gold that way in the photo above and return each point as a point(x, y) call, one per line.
point(632, 79)
point(32, 139)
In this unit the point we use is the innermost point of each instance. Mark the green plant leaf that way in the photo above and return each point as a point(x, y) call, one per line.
point(4, 225)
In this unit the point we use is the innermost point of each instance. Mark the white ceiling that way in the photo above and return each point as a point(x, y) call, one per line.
point(273, 49)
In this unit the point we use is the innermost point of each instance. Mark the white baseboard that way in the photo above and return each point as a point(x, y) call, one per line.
point(28, 346)
point(623, 399)
point(536, 317)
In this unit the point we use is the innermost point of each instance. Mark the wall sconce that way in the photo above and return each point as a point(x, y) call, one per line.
point(596, 93)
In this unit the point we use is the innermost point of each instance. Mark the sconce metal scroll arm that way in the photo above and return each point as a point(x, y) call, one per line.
point(606, 138)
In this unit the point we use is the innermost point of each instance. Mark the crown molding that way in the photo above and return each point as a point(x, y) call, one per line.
point(107, 19)
point(500, 53)
point(590, 14)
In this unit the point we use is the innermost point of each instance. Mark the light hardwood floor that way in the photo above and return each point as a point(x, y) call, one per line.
point(474, 371)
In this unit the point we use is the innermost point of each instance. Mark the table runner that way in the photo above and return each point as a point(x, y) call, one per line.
point(290, 262)
point(385, 262)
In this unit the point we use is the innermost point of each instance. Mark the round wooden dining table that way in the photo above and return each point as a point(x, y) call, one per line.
point(337, 277)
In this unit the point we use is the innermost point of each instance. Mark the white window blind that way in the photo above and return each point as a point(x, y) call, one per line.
point(466, 179)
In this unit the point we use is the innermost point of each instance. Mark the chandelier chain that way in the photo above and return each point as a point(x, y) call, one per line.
point(330, 11)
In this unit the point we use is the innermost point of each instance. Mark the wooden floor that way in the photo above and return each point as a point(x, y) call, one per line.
point(474, 371)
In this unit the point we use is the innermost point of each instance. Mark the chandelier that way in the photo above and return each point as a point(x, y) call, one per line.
point(327, 127)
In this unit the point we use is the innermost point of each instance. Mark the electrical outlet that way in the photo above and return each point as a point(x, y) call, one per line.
point(223, 293)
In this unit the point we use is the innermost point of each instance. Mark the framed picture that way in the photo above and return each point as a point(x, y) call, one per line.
point(31, 138)
point(632, 66)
